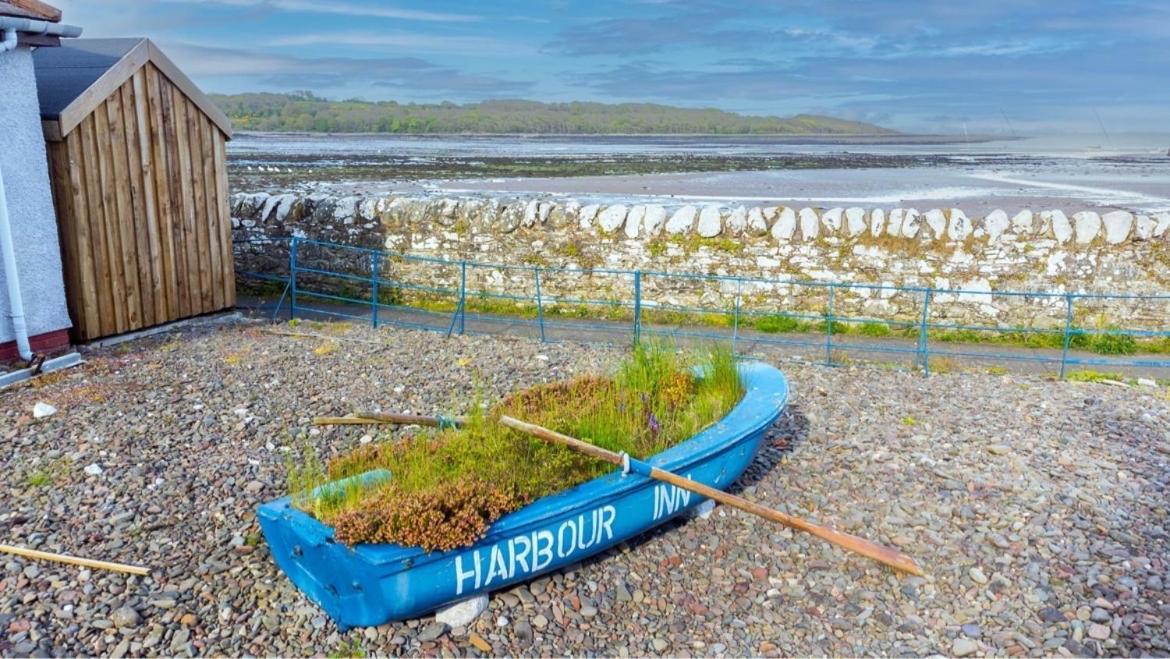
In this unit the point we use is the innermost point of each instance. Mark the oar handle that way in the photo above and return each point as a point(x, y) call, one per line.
point(886, 555)
point(373, 418)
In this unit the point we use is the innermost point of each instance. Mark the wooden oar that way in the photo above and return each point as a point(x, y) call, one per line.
point(73, 560)
point(887, 555)
point(371, 418)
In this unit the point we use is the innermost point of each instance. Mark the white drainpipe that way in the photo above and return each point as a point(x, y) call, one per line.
point(15, 300)
point(10, 26)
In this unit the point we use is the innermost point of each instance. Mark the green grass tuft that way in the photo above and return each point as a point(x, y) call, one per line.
point(1093, 376)
point(652, 402)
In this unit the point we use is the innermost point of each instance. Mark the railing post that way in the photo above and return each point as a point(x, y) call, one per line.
point(735, 318)
point(292, 277)
point(539, 304)
point(1068, 316)
point(462, 296)
point(375, 275)
point(923, 337)
point(638, 306)
point(829, 327)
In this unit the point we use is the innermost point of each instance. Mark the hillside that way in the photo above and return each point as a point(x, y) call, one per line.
point(305, 112)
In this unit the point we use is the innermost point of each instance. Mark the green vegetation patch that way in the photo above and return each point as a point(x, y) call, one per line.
point(447, 486)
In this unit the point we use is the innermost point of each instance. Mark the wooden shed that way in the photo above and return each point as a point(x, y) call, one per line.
point(137, 164)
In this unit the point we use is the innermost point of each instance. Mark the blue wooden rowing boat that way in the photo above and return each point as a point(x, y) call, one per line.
point(372, 584)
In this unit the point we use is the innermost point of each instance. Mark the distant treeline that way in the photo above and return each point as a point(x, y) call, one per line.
point(302, 111)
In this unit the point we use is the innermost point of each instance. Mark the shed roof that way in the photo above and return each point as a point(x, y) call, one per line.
point(77, 77)
point(34, 9)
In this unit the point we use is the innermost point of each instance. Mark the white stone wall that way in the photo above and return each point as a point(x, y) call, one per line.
point(968, 259)
point(30, 201)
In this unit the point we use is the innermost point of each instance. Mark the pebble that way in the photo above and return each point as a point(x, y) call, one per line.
point(961, 647)
point(1023, 547)
point(93, 469)
point(432, 632)
point(977, 575)
point(125, 617)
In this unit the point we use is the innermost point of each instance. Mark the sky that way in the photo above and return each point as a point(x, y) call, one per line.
point(986, 66)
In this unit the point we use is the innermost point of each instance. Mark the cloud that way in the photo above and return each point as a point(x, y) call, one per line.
point(375, 40)
point(341, 7)
point(286, 72)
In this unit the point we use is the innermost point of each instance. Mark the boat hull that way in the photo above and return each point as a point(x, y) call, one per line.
point(372, 584)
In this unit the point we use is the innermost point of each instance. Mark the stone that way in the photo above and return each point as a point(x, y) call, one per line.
point(995, 224)
point(539, 621)
point(831, 220)
point(977, 575)
point(1162, 225)
point(93, 469)
point(659, 645)
point(1022, 222)
point(785, 226)
point(810, 224)
point(682, 221)
point(1117, 225)
point(736, 221)
point(1058, 224)
point(634, 220)
point(757, 224)
point(894, 223)
point(530, 212)
point(710, 222)
point(961, 647)
point(936, 220)
point(42, 410)
point(877, 222)
point(703, 510)
point(855, 221)
point(959, 226)
point(612, 218)
point(1143, 227)
point(1147, 382)
point(587, 216)
point(1087, 225)
point(588, 611)
point(1051, 615)
point(971, 629)
point(432, 632)
point(911, 223)
point(125, 617)
point(1099, 632)
point(462, 614)
point(998, 449)
point(653, 220)
point(479, 643)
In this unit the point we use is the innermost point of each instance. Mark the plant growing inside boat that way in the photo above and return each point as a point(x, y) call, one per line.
point(447, 486)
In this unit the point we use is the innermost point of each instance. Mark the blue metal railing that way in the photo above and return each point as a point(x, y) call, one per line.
point(630, 315)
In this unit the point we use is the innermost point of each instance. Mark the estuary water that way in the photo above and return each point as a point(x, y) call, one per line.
point(1072, 172)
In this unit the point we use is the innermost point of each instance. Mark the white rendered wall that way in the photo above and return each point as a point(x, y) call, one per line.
point(30, 201)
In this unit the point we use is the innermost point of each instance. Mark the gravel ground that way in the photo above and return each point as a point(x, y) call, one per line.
point(1038, 508)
